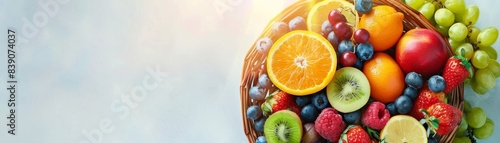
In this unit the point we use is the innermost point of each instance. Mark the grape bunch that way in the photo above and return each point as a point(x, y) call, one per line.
point(455, 20)
point(474, 125)
point(352, 47)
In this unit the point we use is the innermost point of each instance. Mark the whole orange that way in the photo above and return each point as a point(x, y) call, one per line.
point(386, 78)
point(385, 26)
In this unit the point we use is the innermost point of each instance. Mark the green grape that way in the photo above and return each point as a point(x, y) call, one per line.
point(443, 30)
point(462, 127)
point(487, 36)
point(427, 10)
point(467, 106)
point(488, 120)
point(492, 53)
point(476, 117)
point(470, 15)
point(473, 32)
point(484, 131)
point(444, 17)
point(485, 78)
point(454, 44)
point(437, 4)
point(471, 74)
point(477, 88)
point(415, 4)
point(458, 32)
point(458, 17)
point(455, 6)
point(494, 67)
point(480, 59)
point(465, 140)
point(465, 50)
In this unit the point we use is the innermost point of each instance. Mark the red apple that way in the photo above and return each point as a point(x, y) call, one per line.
point(423, 51)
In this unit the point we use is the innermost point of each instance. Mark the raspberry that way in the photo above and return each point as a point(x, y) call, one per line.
point(329, 124)
point(376, 116)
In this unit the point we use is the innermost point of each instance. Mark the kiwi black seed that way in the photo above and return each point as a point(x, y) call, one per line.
point(283, 127)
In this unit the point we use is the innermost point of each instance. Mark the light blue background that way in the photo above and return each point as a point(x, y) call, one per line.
point(90, 54)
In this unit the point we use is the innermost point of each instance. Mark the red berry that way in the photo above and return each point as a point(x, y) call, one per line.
point(361, 35)
point(348, 59)
point(335, 16)
point(342, 30)
point(448, 117)
point(329, 124)
point(424, 100)
point(355, 134)
point(376, 116)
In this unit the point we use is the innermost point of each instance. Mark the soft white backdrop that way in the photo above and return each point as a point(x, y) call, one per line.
point(87, 55)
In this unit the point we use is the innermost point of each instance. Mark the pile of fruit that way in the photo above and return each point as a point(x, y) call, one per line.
point(456, 21)
point(350, 73)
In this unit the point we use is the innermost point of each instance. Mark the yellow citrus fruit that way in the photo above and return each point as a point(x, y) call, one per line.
point(319, 14)
point(385, 26)
point(301, 62)
point(403, 129)
point(386, 78)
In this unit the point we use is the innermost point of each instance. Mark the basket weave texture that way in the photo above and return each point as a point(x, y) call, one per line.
point(254, 63)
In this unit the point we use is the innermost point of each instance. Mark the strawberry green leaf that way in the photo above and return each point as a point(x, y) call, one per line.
point(372, 133)
point(266, 109)
point(464, 62)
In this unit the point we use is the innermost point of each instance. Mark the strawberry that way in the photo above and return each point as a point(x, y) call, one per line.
point(424, 100)
point(355, 134)
point(455, 71)
point(442, 118)
point(280, 100)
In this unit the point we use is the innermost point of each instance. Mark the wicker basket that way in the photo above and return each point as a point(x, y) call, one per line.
point(254, 64)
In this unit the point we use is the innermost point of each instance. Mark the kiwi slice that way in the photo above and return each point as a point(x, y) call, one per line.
point(349, 90)
point(283, 127)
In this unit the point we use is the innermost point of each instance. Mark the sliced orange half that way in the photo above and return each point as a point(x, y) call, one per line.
point(320, 11)
point(301, 62)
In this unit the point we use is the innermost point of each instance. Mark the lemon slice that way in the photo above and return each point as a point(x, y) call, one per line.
point(403, 129)
point(320, 11)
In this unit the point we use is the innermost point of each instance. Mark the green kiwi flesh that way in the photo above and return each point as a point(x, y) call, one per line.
point(283, 127)
point(349, 90)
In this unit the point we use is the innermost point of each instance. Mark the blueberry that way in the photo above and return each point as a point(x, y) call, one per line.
point(359, 64)
point(410, 92)
point(344, 46)
point(392, 109)
point(364, 6)
point(352, 117)
point(256, 93)
point(309, 113)
point(414, 79)
point(261, 139)
point(264, 80)
point(303, 100)
point(437, 83)
point(254, 112)
point(364, 51)
point(320, 101)
point(432, 140)
point(403, 104)
point(259, 124)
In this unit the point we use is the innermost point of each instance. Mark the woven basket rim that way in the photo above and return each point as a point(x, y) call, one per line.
point(254, 62)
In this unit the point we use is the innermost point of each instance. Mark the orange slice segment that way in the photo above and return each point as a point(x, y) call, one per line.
point(301, 62)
